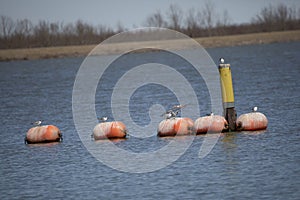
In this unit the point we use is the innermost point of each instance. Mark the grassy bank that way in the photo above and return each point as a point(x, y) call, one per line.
point(207, 42)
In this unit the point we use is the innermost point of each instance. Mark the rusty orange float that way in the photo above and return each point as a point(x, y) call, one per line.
point(175, 126)
point(109, 130)
point(252, 122)
point(43, 134)
point(211, 124)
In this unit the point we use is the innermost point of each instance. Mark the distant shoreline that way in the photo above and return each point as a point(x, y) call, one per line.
point(206, 42)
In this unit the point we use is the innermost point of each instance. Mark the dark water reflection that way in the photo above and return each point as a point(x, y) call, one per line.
point(257, 165)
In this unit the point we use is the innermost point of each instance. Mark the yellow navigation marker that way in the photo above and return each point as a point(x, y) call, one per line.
point(227, 94)
point(226, 85)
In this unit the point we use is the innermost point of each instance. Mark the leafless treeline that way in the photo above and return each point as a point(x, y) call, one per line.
point(195, 23)
point(24, 34)
point(206, 22)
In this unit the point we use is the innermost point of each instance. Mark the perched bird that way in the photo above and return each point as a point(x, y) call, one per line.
point(103, 119)
point(37, 123)
point(211, 114)
point(255, 108)
point(170, 114)
point(222, 61)
point(167, 114)
point(173, 112)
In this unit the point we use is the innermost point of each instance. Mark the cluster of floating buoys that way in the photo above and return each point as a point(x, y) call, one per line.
point(209, 124)
point(43, 134)
point(186, 126)
point(170, 126)
point(173, 125)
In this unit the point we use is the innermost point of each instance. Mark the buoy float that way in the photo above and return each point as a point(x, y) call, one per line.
point(212, 124)
point(43, 134)
point(175, 126)
point(252, 122)
point(109, 130)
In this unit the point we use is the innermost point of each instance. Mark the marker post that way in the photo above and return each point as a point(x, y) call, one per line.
point(227, 95)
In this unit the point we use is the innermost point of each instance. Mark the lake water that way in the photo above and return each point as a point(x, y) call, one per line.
point(260, 165)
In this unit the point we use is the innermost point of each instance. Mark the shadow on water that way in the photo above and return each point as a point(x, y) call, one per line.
point(50, 144)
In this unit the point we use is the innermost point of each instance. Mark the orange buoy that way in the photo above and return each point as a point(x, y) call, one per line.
point(175, 126)
point(43, 134)
point(252, 122)
point(212, 123)
point(109, 130)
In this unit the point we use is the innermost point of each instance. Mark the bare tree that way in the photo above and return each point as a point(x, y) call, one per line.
point(54, 28)
point(22, 32)
point(222, 23)
point(6, 26)
point(23, 27)
point(266, 18)
point(155, 20)
point(292, 13)
point(191, 19)
point(68, 29)
point(208, 16)
point(175, 17)
point(120, 27)
point(85, 32)
point(102, 30)
point(42, 33)
point(266, 15)
point(193, 22)
point(276, 18)
point(281, 16)
point(80, 28)
point(225, 19)
point(68, 33)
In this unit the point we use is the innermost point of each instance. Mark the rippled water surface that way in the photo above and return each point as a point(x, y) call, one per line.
point(253, 165)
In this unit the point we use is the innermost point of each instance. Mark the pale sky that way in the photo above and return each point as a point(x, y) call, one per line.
point(131, 13)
